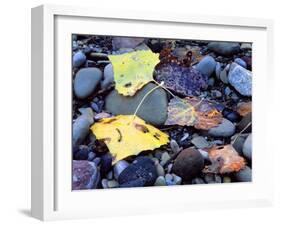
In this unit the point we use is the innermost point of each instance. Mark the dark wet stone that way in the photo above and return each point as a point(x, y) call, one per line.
point(188, 164)
point(142, 172)
point(245, 122)
point(244, 175)
point(82, 153)
point(224, 48)
point(106, 163)
point(231, 115)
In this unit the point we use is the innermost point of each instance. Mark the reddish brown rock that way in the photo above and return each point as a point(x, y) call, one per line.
point(85, 175)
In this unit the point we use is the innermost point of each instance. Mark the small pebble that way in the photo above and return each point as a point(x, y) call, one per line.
point(97, 160)
point(165, 158)
point(198, 181)
point(104, 183)
point(174, 146)
point(160, 170)
point(112, 184)
point(177, 179)
point(109, 175)
point(226, 179)
point(169, 168)
point(160, 181)
point(200, 142)
point(91, 156)
point(244, 175)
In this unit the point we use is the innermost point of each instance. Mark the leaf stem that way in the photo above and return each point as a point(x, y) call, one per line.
point(144, 97)
point(159, 84)
point(239, 134)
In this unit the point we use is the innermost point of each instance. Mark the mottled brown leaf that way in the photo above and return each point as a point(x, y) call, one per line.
point(224, 160)
point(193, 111)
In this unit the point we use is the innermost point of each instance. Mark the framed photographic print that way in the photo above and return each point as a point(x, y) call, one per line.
point(131, 107)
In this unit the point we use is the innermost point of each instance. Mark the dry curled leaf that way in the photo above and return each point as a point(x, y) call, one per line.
point(133, 70)
point(244, 108)
point(193, 111)
point(126, 135)
point(225, 159)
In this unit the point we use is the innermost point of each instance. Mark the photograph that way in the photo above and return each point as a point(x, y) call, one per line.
point(152, 111)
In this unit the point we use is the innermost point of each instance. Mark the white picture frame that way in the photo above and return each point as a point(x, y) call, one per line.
point(52, 197)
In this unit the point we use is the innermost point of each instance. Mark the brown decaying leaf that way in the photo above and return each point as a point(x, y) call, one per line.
point(193, 111)
point(225, 159)
point(244, 108)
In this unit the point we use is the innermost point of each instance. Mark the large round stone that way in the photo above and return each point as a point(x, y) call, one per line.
point(153, 110)
point(86, 81)
point(188, 164)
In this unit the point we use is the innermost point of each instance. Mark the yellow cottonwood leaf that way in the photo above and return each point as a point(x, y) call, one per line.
point(133, 70)
point(125, 135)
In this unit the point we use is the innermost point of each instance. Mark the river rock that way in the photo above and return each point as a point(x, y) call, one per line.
point(153, 110)
point(225, 129)
point(188, 164)
point(200, 142)
point(160, 170)
point(247, 148)
point(142, 172)
point(85, 175)
point(81, 126)
point(218, 70)
point(86, 81)
point(106, 163)
point(108, 76)
point(224, 48)
point(124, 42)
point(241, 79)
point(244, 175)
point(165, 157)
point(78, 59)
point(241, 62)
point(160, 181)
point(207, 65)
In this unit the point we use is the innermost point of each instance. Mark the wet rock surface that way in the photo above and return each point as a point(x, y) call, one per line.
point(153, 109)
